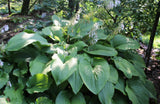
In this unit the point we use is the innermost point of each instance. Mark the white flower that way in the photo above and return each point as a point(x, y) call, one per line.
point(43, 15)
point(1, 63)
point(6, 27)
point(2, 30)
point(122, 26)
point(34, 29)
point(117, 2)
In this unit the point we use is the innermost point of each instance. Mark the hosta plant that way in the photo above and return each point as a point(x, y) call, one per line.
point(72, 63)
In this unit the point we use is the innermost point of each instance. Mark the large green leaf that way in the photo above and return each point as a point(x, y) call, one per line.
point(58, 21)
point(124, 43)
point(119, 98)
point(105, 96)
point(38, 64)
point(65, 97)
point(62, 71)
point(78, 99)
point(138, 91)
point(94, 78)
point(7, 67)
point(23, 39)
point(15, 95)
point(113, 75)
point(43, 100)
point(47, 31)
point(100, 34)
point(81, 29)
point(125, 66)
point(101, 50)
point(38, 83)
point(75, 81)
point(57, 31)
point(80, 45)
point(121, 85)
point(21, 70)
point(4, 77)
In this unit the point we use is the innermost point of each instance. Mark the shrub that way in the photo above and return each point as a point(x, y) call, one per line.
point(70, 63)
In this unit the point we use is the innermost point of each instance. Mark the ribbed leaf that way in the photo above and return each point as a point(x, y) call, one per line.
point(121, 85)
point(62, 71)
point(101, 50)
point(126, 67)
point(113, 75)
point(43, 100)
point(38, 64)
point(23, 39)
point(139, 92)
point(78, 99)
point(124, 43)
point(94, 78)
point(80, 45)
point(75, 81)
point(15, 95)
point(119, 98)
point(38, 83)
point(63, 98)
point(105, 96)
point(4, 77)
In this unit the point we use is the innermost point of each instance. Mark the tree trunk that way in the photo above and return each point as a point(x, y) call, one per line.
point(71, 5)
point(77, 6)
point(149, 49)
point(25, 7)
point(9, 7)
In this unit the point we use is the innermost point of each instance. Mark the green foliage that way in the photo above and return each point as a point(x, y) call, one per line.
point(69, 63)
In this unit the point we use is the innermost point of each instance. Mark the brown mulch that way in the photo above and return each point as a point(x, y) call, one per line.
point(153, 70)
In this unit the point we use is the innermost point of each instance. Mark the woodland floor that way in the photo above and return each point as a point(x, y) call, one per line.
point(152, 72)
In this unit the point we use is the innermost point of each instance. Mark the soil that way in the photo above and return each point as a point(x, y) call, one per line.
point(152, 72)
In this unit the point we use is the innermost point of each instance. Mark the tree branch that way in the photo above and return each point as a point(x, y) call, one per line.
point(149, 49)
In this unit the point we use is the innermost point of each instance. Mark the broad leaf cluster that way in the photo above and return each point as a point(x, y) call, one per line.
point(73, 64)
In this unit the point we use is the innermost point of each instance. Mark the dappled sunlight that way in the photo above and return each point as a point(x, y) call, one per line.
point(57, 23)
point(98, 70)
point(27, 36)
point(72, 63)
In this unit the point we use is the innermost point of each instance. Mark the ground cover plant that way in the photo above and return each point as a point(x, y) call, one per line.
point(73, 63)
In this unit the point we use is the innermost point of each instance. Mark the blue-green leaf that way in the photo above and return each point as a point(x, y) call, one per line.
point(120, 85)
point(80, 45)
point(105, 96)
point(113, 75)
point(38, 83)
point(125, 66)
point(101, 50)
point(38, 64)
point(63, 98)
point(23, 39)
point(62, 71)
point(15, 95)
point(75, 81)
point(139, 92)
point(94, 78)
point(43, 100)
point(4, 77)
point(124, 43)
point(78, 99)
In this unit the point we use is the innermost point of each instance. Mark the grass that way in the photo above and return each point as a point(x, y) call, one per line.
point(156, 43)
